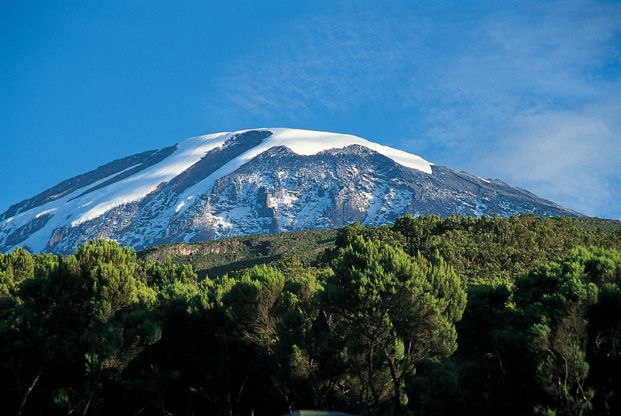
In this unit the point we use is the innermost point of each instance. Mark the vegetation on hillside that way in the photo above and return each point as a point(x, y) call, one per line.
point(429, 316)
point(228, 255)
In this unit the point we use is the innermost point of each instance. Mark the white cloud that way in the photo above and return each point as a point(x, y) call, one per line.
point(529, 101)
point(572, 157)
point(516, 93)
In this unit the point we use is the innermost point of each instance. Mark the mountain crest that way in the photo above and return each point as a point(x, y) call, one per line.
point(252, 181)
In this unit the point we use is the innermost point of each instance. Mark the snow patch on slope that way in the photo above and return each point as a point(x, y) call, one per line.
point(140, 185)
point(91, 205)
point(302, 142)
point(81, 206)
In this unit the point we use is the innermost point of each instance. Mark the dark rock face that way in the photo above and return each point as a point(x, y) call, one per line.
point(276, 191)
point(216, 158)
point(125, 167)
point(337, 187)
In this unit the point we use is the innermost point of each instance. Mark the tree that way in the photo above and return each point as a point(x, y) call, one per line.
point(79, 326)
point(389, 311)
point(556, 300)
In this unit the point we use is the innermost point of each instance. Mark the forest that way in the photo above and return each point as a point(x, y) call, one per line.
point(427, 316)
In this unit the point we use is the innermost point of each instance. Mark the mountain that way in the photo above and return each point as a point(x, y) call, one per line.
point(246, 182)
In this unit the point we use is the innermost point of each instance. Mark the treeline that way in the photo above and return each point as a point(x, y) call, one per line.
point(429, 316)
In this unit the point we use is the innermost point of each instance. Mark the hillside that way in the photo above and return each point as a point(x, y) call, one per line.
point(533, 239)
point(215, 258)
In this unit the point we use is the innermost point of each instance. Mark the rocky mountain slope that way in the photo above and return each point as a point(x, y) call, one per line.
point(249, 182)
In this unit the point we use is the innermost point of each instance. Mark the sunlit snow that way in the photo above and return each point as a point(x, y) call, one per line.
point(302, 142)
point(73, 209)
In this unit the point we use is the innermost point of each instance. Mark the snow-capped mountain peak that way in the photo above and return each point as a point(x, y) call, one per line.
point(248, 181)
point(301, 142)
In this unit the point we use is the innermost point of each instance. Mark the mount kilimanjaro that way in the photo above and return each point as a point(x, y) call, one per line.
point(264, 180)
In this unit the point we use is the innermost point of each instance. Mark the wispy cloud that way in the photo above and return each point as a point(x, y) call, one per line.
point(528, 93)
point(570, 156)
point(533, 103)
point(319, 64)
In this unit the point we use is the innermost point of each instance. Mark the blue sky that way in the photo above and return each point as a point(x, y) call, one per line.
point(528, 92)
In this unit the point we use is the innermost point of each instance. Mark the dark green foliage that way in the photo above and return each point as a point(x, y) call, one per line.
point(546, 345)
point(388, 311)
point(490, 249)
point(230, 255)
point(435, 316)
point(75, 327)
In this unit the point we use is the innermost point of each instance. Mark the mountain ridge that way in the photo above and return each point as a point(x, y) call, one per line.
point(252, 181)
